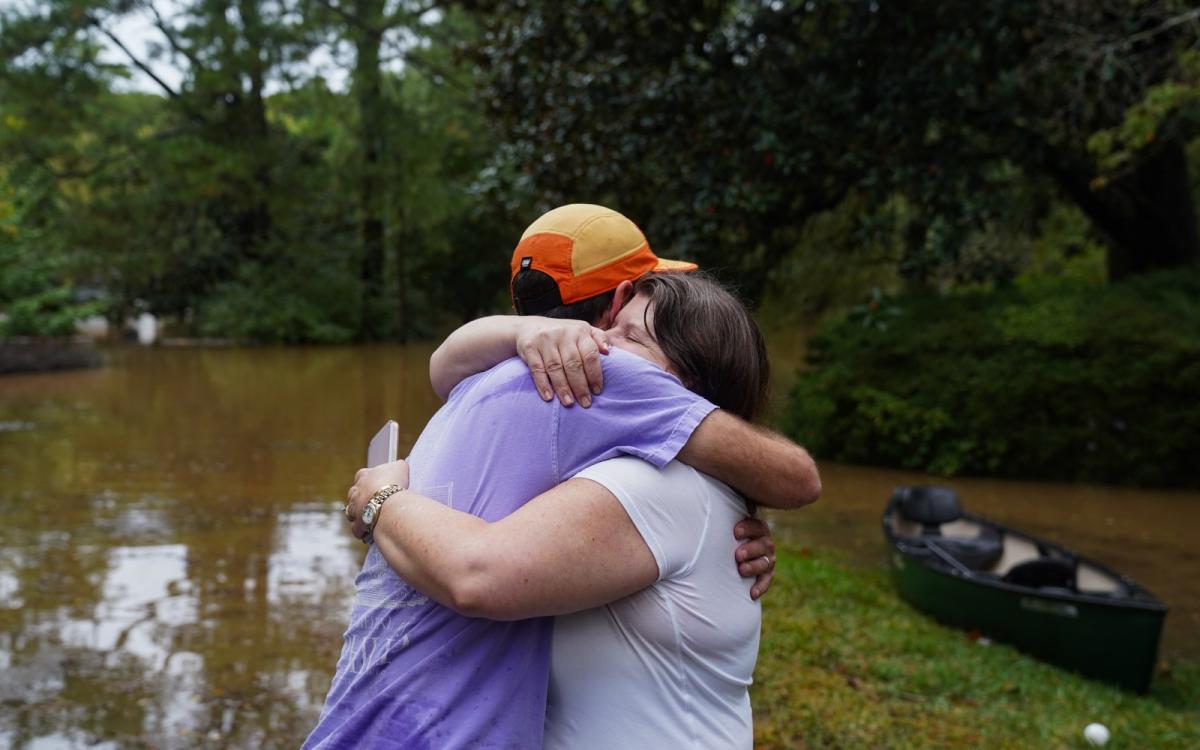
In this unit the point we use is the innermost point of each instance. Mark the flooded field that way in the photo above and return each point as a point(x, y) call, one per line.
point(174, 572)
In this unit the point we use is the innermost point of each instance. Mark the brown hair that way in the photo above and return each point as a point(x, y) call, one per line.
point(710, 338)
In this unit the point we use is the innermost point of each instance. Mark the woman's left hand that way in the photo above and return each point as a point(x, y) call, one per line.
point(366, 483)
point(756, 555)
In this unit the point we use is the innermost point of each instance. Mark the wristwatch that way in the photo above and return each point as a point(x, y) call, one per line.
point(370, 512)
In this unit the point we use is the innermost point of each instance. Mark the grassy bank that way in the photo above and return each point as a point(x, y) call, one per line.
point(845, 663)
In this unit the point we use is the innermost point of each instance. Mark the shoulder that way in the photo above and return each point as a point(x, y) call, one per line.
point(621, 363)
point(635, 475)
point(511, 374)
point(675, 488)
point(670, 507)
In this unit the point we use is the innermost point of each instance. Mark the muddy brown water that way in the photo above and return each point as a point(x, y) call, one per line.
point(174, 571)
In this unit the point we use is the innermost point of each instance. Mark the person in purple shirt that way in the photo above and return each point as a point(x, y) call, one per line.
point(414, 673)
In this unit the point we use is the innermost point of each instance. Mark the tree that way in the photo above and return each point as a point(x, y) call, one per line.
point(243, 198)
point(723, 125)
point(172, 192)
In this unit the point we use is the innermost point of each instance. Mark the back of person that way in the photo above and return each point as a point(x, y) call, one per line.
point(415, 674)
point(669, 666)
point(389, 690)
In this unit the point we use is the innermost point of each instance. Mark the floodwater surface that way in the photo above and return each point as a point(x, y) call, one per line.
point(175, 572)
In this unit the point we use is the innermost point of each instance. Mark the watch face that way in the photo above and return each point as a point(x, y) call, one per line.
point(368, 516)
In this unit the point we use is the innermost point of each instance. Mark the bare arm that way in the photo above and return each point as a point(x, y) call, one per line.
point(762, 465)
point(568, 549)
point(563, 355)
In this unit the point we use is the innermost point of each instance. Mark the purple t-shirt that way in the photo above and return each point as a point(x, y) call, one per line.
point(414, 674)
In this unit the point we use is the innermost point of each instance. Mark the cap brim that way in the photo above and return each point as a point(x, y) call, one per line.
point(674, 266)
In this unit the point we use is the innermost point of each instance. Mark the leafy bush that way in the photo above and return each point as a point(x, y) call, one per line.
point(290, 300)
point(1060, 380)
point(37, 297)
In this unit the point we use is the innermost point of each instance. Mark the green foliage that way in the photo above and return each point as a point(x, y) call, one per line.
point(285, 300)
point(844, 663)
point(1161, 104)
point(300, 215)
point(37, 294)
point(836, 262)
point(804, 150)
point(725, 126)
point(1056, 379)
point(1065, 247)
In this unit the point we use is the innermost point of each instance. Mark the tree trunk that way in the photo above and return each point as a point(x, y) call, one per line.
point(1146, 216)
point(256, 222)
point(368, 93)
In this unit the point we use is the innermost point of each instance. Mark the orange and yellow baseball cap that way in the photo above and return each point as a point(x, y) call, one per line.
point(587, 250)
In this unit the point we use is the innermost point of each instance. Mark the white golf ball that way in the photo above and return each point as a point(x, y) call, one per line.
point(1096, 735)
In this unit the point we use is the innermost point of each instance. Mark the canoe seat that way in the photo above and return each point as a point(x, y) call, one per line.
point(1044, 572)
point(978, 552)
point(937, 513)
point(929, 505)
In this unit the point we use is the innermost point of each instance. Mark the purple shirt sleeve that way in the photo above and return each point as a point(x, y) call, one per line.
point(644, 411)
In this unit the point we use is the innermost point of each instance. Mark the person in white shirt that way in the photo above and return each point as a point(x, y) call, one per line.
point(670, 665)
point(662, 644)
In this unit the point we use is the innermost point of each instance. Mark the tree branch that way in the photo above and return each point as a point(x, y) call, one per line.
point(133, 58)
point(345, 15)
point(169, 33)
point(1167, 25)
point(104, 163)
point(401, 15)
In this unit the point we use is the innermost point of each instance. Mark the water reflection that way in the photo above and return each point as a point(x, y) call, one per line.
point(174, 572)
point(173, 569)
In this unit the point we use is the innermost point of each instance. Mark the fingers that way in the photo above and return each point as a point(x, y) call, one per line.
point(599, 338)
point(751, 528)
point(567, 360)
point(546, 366)
point(564, 360)
point(762, 569)
point(575, 369)
point(756, 566)
point(756, 556)
point(558, 378)
point(537, 369)
point(761, 584)
point(590, 351)
point(755, 549)
point(366, 483)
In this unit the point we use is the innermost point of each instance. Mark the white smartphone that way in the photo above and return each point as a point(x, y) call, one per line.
point(384, 445)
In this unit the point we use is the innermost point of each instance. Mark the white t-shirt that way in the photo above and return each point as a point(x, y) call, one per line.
point(669, 666)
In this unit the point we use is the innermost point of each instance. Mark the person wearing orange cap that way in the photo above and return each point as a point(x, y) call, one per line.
point(576, 263)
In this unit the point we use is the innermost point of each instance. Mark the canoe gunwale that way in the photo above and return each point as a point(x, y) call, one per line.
point(1137, 596)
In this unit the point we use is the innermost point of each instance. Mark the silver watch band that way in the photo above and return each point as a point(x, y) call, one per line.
point(370, 513)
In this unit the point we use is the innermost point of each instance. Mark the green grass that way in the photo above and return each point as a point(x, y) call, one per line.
point(844, 663)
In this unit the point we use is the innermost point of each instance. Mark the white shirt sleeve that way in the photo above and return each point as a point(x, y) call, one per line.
point(670, 507)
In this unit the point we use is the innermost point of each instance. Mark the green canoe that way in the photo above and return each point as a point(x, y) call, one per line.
point(1042, 598)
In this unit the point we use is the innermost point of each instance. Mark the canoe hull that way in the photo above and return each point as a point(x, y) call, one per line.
point(1104, 640)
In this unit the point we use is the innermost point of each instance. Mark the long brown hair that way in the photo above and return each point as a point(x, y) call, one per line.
point(710, 338)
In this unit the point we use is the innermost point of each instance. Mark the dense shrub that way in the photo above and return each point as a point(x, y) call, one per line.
point(289, 300)
point(1058, 380)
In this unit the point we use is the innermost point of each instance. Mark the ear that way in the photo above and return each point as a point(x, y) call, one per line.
point(623, 296)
